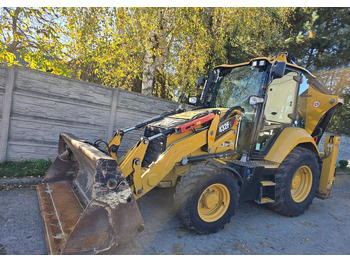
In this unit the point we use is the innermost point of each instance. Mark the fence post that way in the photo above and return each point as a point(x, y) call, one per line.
point(112, 113)
point(6, 111)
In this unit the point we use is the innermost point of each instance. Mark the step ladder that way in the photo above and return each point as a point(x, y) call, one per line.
point(267, 192)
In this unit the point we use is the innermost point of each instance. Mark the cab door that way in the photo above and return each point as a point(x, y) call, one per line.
point(280, 110)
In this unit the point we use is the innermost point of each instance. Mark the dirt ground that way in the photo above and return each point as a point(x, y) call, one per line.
point(323, 229)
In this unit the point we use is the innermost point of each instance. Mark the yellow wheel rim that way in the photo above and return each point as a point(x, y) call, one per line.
point(213, 202)
point(301, 184)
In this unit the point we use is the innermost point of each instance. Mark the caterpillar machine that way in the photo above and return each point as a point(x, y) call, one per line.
point(253, 135)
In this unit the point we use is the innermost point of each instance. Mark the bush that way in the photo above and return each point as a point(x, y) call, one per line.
point(343, 164)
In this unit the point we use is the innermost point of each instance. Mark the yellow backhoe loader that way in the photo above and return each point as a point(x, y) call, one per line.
point(253, 135)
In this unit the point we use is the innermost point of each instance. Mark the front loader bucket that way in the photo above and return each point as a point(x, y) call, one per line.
point(86, 204)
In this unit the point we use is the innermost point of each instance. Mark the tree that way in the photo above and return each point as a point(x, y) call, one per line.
point(319, 41)
point(256, 32)
point(318, 37)
point(337, 82)
point(158, 42)
point(161, 51)
point(223, 36)
point(30, 36)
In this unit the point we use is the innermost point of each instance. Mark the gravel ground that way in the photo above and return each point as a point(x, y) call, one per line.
point(323, 229)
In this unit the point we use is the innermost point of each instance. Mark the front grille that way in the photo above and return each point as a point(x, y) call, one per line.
point(155, 147)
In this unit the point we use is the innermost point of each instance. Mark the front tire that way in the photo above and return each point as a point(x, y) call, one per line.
point(297, 179)
point(206, 198)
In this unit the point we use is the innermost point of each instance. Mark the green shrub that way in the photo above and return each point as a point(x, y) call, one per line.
point(343, 164)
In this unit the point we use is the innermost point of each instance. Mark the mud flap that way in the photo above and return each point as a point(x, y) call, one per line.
point(86, 204)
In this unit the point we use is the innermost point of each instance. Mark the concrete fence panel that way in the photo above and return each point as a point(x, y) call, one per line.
point(36, 106)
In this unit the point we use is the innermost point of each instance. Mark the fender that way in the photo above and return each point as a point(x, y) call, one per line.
point(288, 139)
point(222, 165)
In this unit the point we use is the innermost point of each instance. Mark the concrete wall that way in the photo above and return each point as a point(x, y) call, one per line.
point(36, 106)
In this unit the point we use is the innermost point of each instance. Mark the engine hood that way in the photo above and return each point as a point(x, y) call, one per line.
point(175, 120)
point(190, 114)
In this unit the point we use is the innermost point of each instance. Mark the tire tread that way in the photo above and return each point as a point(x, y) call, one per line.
point(281, 203)
point(196, 176)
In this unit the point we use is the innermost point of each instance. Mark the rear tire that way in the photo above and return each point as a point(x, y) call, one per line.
point(206, 198)
point(297, 179)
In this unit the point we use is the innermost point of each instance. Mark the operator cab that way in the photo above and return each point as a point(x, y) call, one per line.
point(234, 87)
point(273, 94)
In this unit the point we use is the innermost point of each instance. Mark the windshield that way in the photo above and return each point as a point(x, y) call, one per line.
point(235, 86)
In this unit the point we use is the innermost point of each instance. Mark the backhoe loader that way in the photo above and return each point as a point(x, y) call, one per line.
point(253, 134)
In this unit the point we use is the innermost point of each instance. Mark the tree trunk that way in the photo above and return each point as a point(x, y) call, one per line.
point(152, 61)
point(147, 80)
point(13, 46)
point(149, 65)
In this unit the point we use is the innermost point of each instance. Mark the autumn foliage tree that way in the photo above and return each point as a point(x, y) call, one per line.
point(162, 51)
point(31, 37)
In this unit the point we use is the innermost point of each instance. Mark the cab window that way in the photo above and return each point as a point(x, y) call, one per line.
point(280, 108)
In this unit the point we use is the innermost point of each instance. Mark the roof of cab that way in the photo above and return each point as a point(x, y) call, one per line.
point(282, 58)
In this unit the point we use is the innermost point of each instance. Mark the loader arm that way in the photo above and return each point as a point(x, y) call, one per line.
point(116, 140)
point(143, 180)
point(197, 142)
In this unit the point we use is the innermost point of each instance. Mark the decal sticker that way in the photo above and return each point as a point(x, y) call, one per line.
point(224, 127)
point(225, 144)
point(316, 104)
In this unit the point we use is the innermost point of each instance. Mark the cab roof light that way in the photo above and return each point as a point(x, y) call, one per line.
point(262, 62)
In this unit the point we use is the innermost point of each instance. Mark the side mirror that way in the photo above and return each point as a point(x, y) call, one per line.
point(200, 81)
point(254, 100)
point(278, 70)
point(193, 100)
point(298, 79)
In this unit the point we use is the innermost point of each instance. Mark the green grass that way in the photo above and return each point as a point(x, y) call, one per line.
point(33, 168)
point(346, 169)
